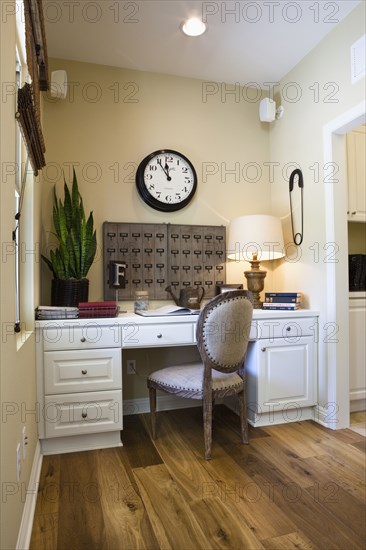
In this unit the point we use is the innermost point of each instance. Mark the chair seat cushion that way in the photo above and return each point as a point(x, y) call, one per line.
point(187, 381)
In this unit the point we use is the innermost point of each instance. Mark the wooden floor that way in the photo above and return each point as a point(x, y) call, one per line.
point(358, 422)
point(294, 486)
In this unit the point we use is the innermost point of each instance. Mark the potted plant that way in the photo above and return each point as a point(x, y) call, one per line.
point(71, 260)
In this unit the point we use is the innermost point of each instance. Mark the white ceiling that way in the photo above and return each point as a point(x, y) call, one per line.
point(247, 41)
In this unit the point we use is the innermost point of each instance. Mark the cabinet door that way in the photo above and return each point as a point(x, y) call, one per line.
point(357, 349)
point(356, 148)
point(286, 373)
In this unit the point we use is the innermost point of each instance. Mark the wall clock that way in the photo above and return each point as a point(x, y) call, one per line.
point(166, 180)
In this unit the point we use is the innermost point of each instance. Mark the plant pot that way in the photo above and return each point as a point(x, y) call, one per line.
point(69, 292)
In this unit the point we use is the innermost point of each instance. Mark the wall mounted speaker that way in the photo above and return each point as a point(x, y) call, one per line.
point(58, 87)
point(267, 110)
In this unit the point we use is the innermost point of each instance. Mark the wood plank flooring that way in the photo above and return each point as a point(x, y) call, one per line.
point(358, 422)
point(296, 485)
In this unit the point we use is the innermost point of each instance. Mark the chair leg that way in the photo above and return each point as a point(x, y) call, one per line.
point(207, 426)
point(152, 396)
point(243, 417)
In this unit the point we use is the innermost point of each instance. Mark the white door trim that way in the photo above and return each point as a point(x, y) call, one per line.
point(335, 194)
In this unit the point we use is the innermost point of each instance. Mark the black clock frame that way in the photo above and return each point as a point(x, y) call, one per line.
point(146, 196)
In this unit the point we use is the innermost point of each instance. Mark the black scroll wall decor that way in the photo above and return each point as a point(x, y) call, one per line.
point(297, 237)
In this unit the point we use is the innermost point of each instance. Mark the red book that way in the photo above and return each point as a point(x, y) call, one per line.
point(97, 305)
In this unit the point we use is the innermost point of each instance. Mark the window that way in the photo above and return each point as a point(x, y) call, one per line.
point(18, 189)
point(23, 232)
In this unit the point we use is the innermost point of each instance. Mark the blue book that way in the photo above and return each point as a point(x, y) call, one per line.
point(282, 299)
point(283, 293)
point(289, 307)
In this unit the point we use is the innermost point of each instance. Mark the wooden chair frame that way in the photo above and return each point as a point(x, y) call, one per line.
point(206, 332)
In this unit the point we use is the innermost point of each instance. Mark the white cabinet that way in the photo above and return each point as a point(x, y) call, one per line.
point(282, 372)
point(357, 350)
point(356, 174)
point(79, 383)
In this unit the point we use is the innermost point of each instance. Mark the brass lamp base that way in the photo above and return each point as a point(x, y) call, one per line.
point(255, 282)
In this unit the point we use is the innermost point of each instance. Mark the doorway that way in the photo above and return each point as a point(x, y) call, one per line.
point(337, 359)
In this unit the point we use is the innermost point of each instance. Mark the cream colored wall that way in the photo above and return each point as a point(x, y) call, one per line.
point(150, 112)
point(322, 82)
point(17, 353)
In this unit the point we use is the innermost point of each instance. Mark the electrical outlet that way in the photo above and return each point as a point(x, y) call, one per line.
point(18, 464)
point(131, 366)
point(24, 442)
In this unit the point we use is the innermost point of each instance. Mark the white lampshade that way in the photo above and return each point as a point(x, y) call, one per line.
point(259, 234)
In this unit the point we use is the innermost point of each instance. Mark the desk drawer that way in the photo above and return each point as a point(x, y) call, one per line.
point(83, 413)
point(80, 371)
point(288, 328)
point(161, 335)
point(89, 336)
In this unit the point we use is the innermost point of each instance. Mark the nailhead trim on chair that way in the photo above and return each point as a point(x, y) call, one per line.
point(232, 386)
point(225, 383)
point(204, 338)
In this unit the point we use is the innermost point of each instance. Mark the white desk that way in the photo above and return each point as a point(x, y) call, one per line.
point(79, 373)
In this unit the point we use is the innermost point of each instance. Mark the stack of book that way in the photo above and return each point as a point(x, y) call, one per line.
point(282, 300)
point(98, 309)
point(56, 312)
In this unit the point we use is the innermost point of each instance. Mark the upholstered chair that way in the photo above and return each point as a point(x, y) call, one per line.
point(222, 334)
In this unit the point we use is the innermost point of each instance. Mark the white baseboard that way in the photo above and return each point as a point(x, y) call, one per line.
point(25, 530)
point(82, 442)
point(327, 417)
point(357, 405)
point(163, 403)
point(273, 418)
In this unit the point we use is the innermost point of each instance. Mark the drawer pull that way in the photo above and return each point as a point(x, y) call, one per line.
point(84, 371)
point(263, 349)
point(159, 335)
point(83, 339)
point(84, 415)
point(288, 329)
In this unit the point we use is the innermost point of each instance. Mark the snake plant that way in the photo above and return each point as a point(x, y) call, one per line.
point(75, 234)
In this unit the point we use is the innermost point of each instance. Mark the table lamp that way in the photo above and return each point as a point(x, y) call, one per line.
point(255, 239)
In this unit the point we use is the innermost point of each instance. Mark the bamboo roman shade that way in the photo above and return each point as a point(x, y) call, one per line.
point(29, 112)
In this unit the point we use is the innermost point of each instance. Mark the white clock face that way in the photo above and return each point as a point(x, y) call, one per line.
point(169, 178)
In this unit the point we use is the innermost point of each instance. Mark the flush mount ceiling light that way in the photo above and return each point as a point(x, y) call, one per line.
point(193, 27)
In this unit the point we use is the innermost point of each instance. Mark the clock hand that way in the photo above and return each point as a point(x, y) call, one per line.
point(161, 166)
point(165, 170)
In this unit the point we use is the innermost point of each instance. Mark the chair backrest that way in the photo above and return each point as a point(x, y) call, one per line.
point(223, 330)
